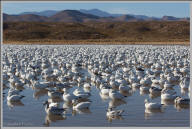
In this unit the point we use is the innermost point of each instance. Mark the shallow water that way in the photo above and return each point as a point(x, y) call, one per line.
point(31, 112)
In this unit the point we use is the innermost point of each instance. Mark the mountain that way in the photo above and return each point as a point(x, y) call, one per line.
point(171, 18)
point(127, 18)
point(72, 16)
point(46, 13)
point(24, 17)
point(96, 12)
point(78, 16)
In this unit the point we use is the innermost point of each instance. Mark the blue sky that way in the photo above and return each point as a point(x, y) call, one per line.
point(150, 9)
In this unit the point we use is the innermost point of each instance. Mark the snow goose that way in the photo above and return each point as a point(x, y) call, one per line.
point(150, 105)
point(114, 113)
point(39, 85)
point(13, 92)
point(115, 94)
point(54, 94)
point(15, 97)
point(155, 90)
point(167, 95)
point(182, 101)
point(87, 85)
point(80, 105)
point(144, 88)
point(123, 88)
point(69, 96)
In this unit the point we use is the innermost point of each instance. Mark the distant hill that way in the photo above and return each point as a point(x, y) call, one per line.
point(93, 15)
point(46, 13)
point(72, 16)
point(171, 18)
point(104, 31)
point(96, 12)
point(24, 17)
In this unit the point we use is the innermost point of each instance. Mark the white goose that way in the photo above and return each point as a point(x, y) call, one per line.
point(114, 113)
point(144, 88)
point(150, 105)
point(54, 94)
point(15, 97)
point(155, 90)
point(87, 85)
point(13, 92)
point(104, 90)
point(69, 96)
point(39, 85)
point(123, 88)
point(80, 105)
point(168, 95)
point(115, 94)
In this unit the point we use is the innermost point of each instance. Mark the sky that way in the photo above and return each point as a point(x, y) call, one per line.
point(148, 8)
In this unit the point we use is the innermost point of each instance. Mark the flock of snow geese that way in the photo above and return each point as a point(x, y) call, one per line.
point(114, 70)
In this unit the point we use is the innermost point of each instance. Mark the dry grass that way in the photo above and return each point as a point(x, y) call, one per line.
point(97, 33)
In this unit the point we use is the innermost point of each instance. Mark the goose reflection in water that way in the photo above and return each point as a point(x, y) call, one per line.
point(167, 102)
point(39, 93)
point(180, 107)
point(184, 91)
point(12, 104)
point(150, 112)
point(53, 118)
point(115, 103)
point(81, 111)
point(110, 119)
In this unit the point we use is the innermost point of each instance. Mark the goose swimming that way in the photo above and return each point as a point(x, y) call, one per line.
point(150, 105)
point(114, 113)
point(80, 105)
point(115, 95)
point(15, 97)
point(53, 109)
point(182, 101)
